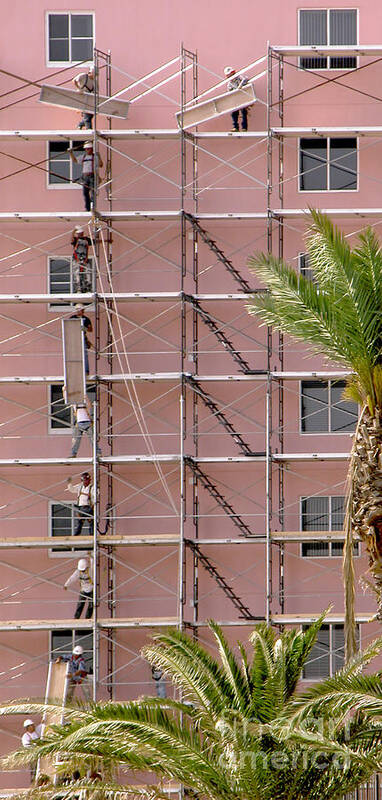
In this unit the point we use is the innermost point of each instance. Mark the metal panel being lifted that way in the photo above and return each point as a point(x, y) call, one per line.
point(83, 101)
point(73, 341)
point(222, 104)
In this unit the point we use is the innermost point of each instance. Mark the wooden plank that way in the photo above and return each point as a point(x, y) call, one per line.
point(80, 624)
point(73, 340)
point(35, 542)
point(83, 101)
point(222, 104)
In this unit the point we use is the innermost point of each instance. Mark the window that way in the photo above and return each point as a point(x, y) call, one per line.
point(62, 170)
point(328, 653)
point(70, 38)
point(62, 521)
point(323, 514)
point(304, 268)
point(324, 411)
point(63, 641)
point(328, 27)
point(60, 278)
point(59, 413)
point(328, 165)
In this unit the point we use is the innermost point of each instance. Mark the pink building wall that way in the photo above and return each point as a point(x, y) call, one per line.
point(146, 258)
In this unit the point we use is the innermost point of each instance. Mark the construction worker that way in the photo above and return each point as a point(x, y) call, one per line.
point(85, 502)
point(90, 163)
point(31, 734)
point(87, 327)
point(83, 574)
point(82, 424)
point(81, 269)
point(236, 81)
point(160, 685)
point(77, 674)
point(84, 83)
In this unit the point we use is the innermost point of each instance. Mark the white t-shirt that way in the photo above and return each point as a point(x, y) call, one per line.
point(82, 414)
point(27, 738)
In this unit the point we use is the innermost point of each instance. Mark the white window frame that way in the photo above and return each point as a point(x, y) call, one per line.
point(320, 433)
point(328, 68)
point(303, 254)
point(329, 554)
point(331, 650)
point(57, 431)
point(75, 640)
point(328, 190)
point(56, 11)
point(75, 551)
point(63, 257)
point(60, 186)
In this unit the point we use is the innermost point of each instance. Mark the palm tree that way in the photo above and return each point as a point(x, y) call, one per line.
point(233, 735)
point(339, 314)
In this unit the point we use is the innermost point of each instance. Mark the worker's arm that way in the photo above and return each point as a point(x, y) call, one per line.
point(71, 155)
point(72, 487)
point(100, 162)
point(72, 578)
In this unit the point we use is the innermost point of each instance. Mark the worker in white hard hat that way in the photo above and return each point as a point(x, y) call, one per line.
point(90, 162)
point(77, 673)
point(84, 575)
point(236, 81)
point(31, 734)
point(85, 502)
point(81, 266)
point(84, 83)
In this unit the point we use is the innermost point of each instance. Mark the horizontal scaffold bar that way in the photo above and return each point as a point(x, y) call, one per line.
point(340, 131)
point(123, 134)
point(36, 542)
point(161, 539)
point(168, 216)
point(160, 297)
point(289, 619)
point(153, 377)
point(172, 458)
point(83, 624)
point(164, 622)
point(327, 50)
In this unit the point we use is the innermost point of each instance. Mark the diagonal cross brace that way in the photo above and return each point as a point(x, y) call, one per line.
point(218, 252)
point(221, 582)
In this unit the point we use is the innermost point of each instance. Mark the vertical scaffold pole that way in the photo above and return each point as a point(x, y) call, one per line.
point(268, 501)
point(281, 498)
point(95, 554)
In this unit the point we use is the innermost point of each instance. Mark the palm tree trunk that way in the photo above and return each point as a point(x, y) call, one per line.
point(364, 497)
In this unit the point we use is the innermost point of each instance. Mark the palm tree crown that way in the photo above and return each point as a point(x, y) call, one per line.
point(339, 313)
point(231, 737)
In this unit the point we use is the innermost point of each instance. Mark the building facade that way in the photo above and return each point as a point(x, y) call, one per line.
point(224, 447)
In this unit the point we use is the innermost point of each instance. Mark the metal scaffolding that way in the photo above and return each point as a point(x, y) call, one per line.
point(259, 365)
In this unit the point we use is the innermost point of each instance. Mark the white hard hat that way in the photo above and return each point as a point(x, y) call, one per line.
point(82, 564)
point(88, 145)
point(78, 650)
point(228, 70)
point(90, 66)
point(28, 722)
point(79, 229)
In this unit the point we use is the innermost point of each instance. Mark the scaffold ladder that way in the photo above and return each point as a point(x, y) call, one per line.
point(219, 498)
